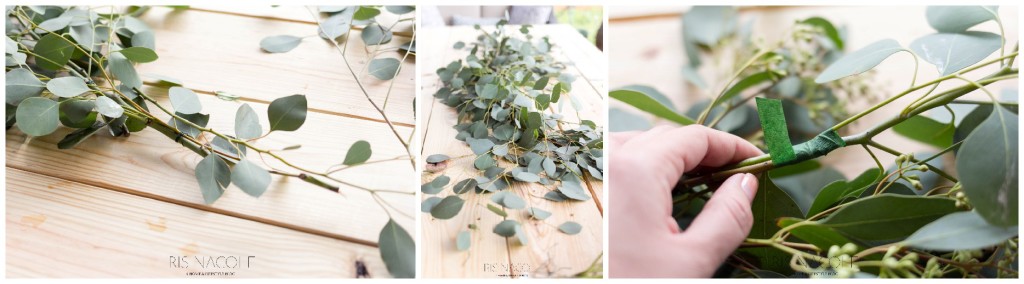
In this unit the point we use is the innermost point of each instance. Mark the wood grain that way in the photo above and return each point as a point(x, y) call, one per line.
point(220, 52)
point(60, 228)
point(549, 252)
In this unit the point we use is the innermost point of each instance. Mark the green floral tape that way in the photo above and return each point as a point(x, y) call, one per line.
point(776, 135)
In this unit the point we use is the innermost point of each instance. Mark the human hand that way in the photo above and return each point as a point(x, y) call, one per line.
point(645, 241)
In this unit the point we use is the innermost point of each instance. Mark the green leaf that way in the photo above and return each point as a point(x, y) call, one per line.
point(830, 31)
point(375, 34)
point(398, 250)
point(358, 153)
point(139, 54)
point(816, 234)
point(859, 61)
point(337, 25)
point(954, 19)
point(745, 83)
point(123, 69)
point(462, 241)
point(53, 51)
point(653, 93)
point(572, 188)
point(429, 203)
point(144, 39)
point(77, 113)
point(508, 199)
point(988, 167)
point(479, 146)
point(709, 24)
point(184, 100)
point(399, 10)
point(280, 43)
point(541, 83)
point(37, 116)
point(447, 208)
point(570, 228)
point(971, 122)
point(770, 203)
point(384, 68)
point(108, 107)
point(526, 177)
point(506, 228)
point(196, 118)
point(959, 231)
point(213, 175)
point(464, 186)
point(366, 13)
point(521, 235)
point(251, 178)
point(828, 196)
point(556, 92)
point(902, 215)
point(926, 130)
point(67, 87)
point(287, 113)
point(165, 81)
point(647, 104)
point(77, 136)
point(21, 84)
point(483, 162)
point(247, 123)
point(538, 213)
point(437, 158)
point(952, 52)
point(496, 210)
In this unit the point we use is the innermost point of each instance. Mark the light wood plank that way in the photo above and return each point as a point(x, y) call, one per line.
point(59, 228)
point(150, 163)
point(220, 52)
point(299, 14)
point(549, 252)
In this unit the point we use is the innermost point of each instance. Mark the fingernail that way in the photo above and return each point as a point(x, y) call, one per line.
point(749, 185)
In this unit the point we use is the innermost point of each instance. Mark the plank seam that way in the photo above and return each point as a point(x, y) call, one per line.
point(208, 208)
point(237, 14)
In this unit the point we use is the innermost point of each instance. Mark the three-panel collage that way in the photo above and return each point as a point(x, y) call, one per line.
point(605, 140)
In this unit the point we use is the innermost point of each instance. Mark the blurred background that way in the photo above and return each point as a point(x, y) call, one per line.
point(588, 20)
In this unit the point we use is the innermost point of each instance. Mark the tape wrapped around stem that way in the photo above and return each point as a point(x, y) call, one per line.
point(776, 136)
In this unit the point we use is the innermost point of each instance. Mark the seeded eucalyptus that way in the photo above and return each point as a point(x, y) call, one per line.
point(509, 93)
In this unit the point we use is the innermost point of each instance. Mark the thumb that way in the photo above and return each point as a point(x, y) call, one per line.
point(726, 219)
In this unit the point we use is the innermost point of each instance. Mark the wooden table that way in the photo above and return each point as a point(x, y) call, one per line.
point(550, 253)
point(124, 207)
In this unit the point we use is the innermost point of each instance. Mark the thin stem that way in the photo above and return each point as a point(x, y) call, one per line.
point(707, 110)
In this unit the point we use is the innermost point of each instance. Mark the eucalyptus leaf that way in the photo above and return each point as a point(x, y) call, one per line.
point(139, 54)
point(337, 24)
point(462, 241)
point(75, 137)
point(123, 69)
point(959, 231)
point(496, 210)
point(447, 208)
point(78, 113)
point(464, 186)
point(398, 250)
point(375, 34)
point(770, 203)
point(988, 167)
point(37, 116)
point(570, 228)
point(384, 68)
point(437, 158)
point(859, 61)
point(830, 31)
point(926, 130)
point(952, 52)
point(479, 146)
point(359, 153)
point(53, 52)
point(67, 87)
point(819, 235)
point(213, 175)
point(538, 213)
point(184, 100)
point(247, 123)
point(572, 188)
point(429, 203)
point(287, 113)
point(506, 228)
point(108, 107)
point(280, 43)
point(21, 84)
point(251, 178)
point(366, 13)
point(647, 104)
point(521, 235)
point(709, 24)
point(399, 10)
point(959, 18)
point(903, 214)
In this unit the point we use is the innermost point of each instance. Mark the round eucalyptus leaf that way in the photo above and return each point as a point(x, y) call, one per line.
point(859, 61)
point(144, 39)
point(484, 162)
point(123, 69)
point(399, 10)
point(53, 52)
point(67, 87)
point(336, 25)
point(464, 186)
point(359, 153)
point(185, 100)
point(506, 228)
point(479, 146)
point(447, 208)
point(21, 84)
point(287, 113)
point(959, 231)
point(952, 52)
point(521, 235)
point(139, 54)
point(37, 116)
point(709, 24)
point(398, 250)
point(280, 43)
point(527, 177)
point(462, 241)
point(538, 213)
point(213, 175)
point(375, 34)
point(429, 204)
point(954, 19)
point(247, 123)
point(570, 228)
point(251, 178)
point(384, 68)
point(108, 107)
point(366, 13)
point(572, 188)
point(988, 167)
point(437, 158)
point(77, 113)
